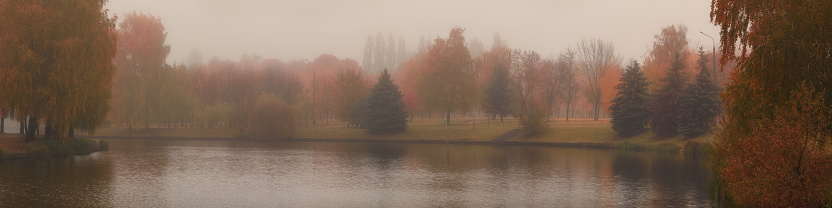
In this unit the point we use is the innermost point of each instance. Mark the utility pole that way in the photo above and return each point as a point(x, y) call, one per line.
point(713, 48)
point(314, 90)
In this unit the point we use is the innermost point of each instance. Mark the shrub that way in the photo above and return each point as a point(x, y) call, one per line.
point(81, 147)
point(534, 122)
point(663, 148)
point(103, 146)
point(37, 149)
point(626, 146)
point(273, 119)
point(58, 146)
point(697, 149)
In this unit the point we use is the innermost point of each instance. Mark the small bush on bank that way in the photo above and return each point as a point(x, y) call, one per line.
point(81, 147)
point(37, 149)
point(534, 121)
point(273, 119)
point(58, 146)
point(627, 147)
point(103, 146)
point(696, 149)
point(663, 148)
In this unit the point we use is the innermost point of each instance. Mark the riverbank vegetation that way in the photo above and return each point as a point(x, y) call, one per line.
point(16, 144)
point(451, 77)
point(774, 149)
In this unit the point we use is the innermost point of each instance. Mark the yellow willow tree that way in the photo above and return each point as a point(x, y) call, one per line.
point(448, 85)
point(56, 63)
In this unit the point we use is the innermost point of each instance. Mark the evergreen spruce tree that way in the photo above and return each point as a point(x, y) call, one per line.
point(385, 114)
point(498, 95)
point(665, 104)
point(699, 102)
point(629, 111)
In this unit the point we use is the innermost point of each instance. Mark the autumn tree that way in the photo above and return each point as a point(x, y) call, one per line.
point(488, 62)
point(140, 63)
point(567, 74)
point(672, 40)
point(552, 88)
point(630, 114)
point(448, 84)
point(498, 96)
point(385, 108)
point(699, 104)
point(774, 150)
point(56, 63)
point(273, 118)
point(350, 88)
point(529, 79)
point(596, 56)
point(666, 101)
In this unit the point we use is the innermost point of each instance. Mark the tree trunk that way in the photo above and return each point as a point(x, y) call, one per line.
point(23, 126)
point(31, 128)
point(2, 120)
point(448, 117)
point(48, 133)
point(71, 131)
point(567, 110)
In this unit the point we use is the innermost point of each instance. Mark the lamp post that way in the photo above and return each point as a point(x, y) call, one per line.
point(314, 90)
point(713, 44)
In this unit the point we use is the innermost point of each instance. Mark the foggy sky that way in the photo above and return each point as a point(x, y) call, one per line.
point(304, 29)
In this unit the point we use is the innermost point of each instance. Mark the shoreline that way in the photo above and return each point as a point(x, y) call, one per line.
point(357, 140)
point(27, 155)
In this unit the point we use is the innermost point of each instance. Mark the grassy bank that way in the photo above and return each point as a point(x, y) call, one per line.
point(461, 129)
point(13, 144)
point(601, 132)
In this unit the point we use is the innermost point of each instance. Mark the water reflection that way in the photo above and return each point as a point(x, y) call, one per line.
point(148, 173)
point(56, 182)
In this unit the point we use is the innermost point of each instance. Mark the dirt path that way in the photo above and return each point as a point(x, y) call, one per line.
point(506, 136)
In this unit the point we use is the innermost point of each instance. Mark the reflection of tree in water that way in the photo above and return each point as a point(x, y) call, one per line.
point(630, 167)
point(385, 156)
point(84, 182)
point(674, 176)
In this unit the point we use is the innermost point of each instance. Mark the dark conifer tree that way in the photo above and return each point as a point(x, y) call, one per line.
point(498, 95)
point(665, 104)
point(629, 111)
point(385, 108)
point(699, 102)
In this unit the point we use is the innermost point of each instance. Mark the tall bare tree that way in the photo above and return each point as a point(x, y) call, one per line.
point(567, 71)
point(595, 56)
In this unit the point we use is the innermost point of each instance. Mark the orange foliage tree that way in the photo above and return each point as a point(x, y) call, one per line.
point(140, 63)
point(774, 148)
point(670, 41)
point(448, 84)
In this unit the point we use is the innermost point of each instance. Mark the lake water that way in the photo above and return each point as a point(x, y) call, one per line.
point(154, 173)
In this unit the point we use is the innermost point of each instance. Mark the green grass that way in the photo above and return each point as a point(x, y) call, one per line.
point(64, 148)
point(429, 129)
point(460, 129)
point(170, 132)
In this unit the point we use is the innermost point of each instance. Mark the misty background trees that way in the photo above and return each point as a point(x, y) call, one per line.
point(448, 77)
